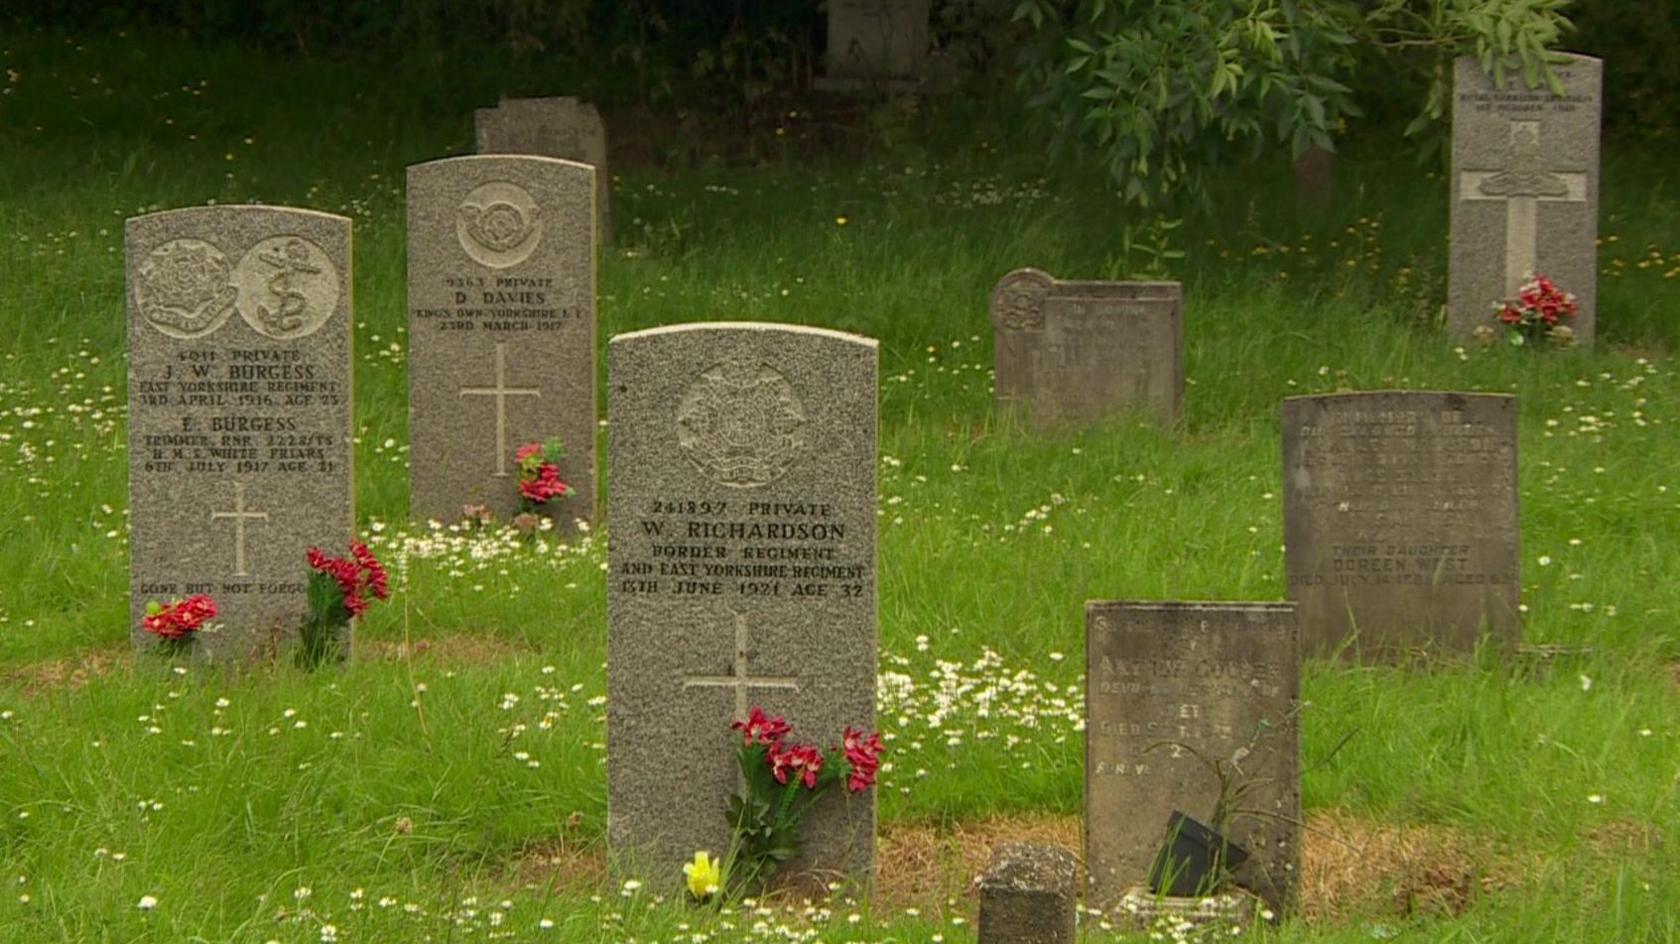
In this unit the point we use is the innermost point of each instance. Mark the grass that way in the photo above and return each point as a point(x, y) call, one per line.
point(459, 793)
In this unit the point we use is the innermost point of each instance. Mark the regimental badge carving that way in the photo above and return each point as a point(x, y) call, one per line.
point(1525, 173)
point(288, 287)
point(1018, 299)
point(499, 224)
point(741, 425)
point(185, 288)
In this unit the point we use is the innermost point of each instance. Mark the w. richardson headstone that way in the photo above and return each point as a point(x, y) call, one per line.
point(501, 322)
point(1166, 682)
point(875, 45)
point(564, 127)
point(1524, 190)
point(1400, 521)
point(741, 574)
point(239, 373)
point(1075, 352)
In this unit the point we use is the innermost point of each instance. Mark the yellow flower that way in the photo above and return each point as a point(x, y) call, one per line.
point(704, 875)
point(840, 220)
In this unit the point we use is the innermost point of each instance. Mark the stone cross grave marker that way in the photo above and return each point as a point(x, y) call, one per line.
point(501, 316)
point(741, 574)
point(1400, 521)
point(875, 45)
point(1075, 352)
point(564, 127)
point(1524, 191)
point(1168, 681)
point(239, 374)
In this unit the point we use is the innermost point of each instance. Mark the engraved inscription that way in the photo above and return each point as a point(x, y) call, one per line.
point(288, 287)
point(1020, 300)
point(741, 426)
point(501, 391)
point(740, 677)
point(239, 515)
point(1522, 185)
point(499, 224)
point(185, 288)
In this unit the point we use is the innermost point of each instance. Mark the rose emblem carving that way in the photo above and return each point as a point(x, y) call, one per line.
point(499, 224)
point(185, 288)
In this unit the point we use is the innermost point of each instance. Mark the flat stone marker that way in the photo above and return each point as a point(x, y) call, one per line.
point(1165, 681)
point(1029, 895)
point(1400, 521)
point(741, 574)
point(501, 323)
point(564, 127)
point(239, 430)
point(1524, 191)
point(1074, 352)
point(875, 44)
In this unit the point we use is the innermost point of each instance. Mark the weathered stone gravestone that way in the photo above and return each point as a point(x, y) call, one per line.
point(875, 44)
point(1524, 191)
point(1075, 352)
point(239, 373)
point(741, 574)
point(1029, 895)
point(1400, 520)
point(1164, 683)
point(568, 128)
point(501, 319)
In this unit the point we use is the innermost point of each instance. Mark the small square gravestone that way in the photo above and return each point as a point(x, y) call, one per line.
point(875, 45)
point(1400, 521)
point(1029, 895)
point(1524, 191)
point(564, 127)
point(1170, 689)
point(741, 574)
point(239, 373)
point(501, 323)
point(1076, 352)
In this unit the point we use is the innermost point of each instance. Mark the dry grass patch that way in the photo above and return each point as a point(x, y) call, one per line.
point(69, 674)
point(1351, 865)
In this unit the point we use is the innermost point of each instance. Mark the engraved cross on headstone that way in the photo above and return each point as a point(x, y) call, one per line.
point(740, 678)
point(240, 515)
point(1522, 186)
point(501, 391)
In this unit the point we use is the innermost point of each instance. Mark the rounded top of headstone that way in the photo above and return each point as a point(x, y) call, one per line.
point(498, 160)
point(767, 327)
point(1031, 866)
point(1017, 300)
point(237, 208)
point(1356, 395)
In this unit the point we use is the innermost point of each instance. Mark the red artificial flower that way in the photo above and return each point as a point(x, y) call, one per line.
point(801, 761)
point(360, 572)
point(761, 728)
point(527, 451)
point(377, 580)
point(863, 755)
point(181, 618)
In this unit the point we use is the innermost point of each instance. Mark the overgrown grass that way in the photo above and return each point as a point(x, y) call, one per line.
point(412, 798)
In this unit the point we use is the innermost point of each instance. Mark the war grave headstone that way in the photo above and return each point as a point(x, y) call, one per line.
point(1524, 191)
point(875, 45)
point(741, 574)
point(1075, 352)
point(564, 127)
point(1170, 689)
point(1400, 521)
point(501, 316)
point(239, 392)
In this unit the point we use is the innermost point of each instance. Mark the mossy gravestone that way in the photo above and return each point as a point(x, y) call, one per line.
point(741, 574)
point(563, 127)
point(239, 370)
point(1524, 190)
point(1068, 353)
point(1172, 688)
point(875, 45)
point(501, 323)
point(1400, 521)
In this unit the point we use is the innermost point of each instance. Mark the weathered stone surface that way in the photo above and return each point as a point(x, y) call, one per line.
point(501, 324)
point(876, 44)
point(1227, 914)
point(1524, 191)
point(1073, 352)
point(568, 128)
point(239, 372)
point(741, 574)
point(1029, 895)
point(1400, 520)
point(1166, 682)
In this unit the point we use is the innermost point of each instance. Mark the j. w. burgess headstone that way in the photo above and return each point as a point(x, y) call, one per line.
point(741, 574)
point(1524, 191)
point(1172, 688)
point(501, 314)
point(1400, 520)
point(239, 373)
point(1074, 352)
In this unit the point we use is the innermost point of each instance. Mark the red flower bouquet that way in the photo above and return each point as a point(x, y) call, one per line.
point(177, 624)
point(340, 589)
point(1539, 311)
point(783, 780)
point(539, 474)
